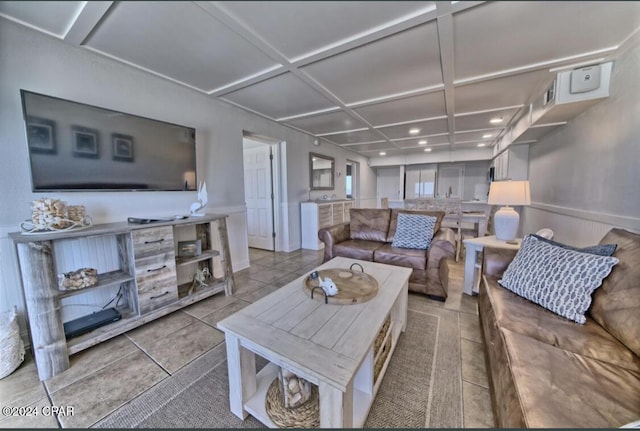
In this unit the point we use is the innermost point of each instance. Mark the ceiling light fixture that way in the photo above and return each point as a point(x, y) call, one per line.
point(488, 135)
point(427, 150)
point(482, 145)
point(422, 142)
point(414, 131)
point(496, 120)
point(382, 153)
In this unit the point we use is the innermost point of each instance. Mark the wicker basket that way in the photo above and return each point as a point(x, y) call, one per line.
point(11, 346)
point(380, 338)
point(381, 359)
point(305, 416)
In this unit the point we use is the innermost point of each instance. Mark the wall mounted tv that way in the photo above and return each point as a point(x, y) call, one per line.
point(79, 147)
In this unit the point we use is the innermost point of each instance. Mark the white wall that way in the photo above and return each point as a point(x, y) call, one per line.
point(585, 177)
point(43, 64)
point(474, 173)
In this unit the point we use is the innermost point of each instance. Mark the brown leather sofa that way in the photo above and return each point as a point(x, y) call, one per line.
point(369, 234)
point(548, 372)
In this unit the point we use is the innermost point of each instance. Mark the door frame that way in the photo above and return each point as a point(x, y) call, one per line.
point(355, 180)
point(278, 178)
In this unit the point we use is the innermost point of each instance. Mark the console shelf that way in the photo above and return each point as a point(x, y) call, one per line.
point(150, 279)
point(109, 279)
point(208, 254)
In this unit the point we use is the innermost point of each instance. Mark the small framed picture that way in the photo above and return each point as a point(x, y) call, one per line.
point(85, 142)
point(122, 147)
point(41, 135)
point(189, 248)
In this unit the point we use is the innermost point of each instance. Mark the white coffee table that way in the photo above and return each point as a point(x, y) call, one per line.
point(329, 345)
point(474, 247)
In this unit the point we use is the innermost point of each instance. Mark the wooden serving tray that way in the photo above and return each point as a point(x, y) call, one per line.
point(353, 286)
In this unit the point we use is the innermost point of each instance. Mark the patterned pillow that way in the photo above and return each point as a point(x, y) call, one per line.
point(414, 231)
point(558, 279)
point(599, 249)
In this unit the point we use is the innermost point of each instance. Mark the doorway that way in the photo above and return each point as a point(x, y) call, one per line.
point(351, 180)
point(260, 190)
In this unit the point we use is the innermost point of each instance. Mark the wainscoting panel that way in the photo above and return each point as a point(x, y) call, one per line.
point(575, 227)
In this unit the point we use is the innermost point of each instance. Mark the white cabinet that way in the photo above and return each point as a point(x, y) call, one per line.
point(316, 215)
point(512, 164)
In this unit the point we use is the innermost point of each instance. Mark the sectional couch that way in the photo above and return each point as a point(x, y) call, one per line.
point(369, 236)
point(548, 372)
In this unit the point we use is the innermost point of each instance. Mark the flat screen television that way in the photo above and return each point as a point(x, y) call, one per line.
point(78, 147)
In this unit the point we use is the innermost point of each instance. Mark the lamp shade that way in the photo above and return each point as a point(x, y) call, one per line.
point(509, 193)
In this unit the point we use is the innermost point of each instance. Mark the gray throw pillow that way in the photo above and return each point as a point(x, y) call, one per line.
point(556, 278)
point(599, 249)
point(414, 231)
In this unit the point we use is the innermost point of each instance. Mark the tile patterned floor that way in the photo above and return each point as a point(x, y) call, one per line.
point(93, 385)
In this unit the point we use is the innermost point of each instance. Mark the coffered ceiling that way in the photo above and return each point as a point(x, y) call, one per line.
point(394, 77)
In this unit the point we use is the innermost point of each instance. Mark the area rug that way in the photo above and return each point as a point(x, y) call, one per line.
point(421, 388)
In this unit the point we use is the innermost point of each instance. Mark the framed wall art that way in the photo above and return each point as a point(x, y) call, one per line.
point(122, 147)
point(85, 142)
point(41, 135)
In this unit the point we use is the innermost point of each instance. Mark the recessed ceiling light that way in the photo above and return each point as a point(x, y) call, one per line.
point(422, 142)
point(414, 131)
point(482, 145)
point(496, 120)
point(488, 135)
point(382, 153)
point(427, 150)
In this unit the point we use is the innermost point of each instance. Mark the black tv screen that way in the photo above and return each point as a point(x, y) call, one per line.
point(79, 147)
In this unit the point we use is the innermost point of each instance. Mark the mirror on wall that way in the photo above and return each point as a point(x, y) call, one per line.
point(322, 171)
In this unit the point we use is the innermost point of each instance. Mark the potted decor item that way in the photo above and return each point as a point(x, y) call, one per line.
point(295, 390)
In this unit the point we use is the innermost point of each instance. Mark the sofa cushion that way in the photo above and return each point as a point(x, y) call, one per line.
point(520, 315)
point(599, 249)
point(369, 223)
point(393, 224)
point(556, 278)
point(560, 389)
point(414, 231)
point(357, 249)
point(409, 257)
point(616, 305)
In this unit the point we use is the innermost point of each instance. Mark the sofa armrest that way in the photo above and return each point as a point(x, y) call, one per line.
point(333, 235)
point(496, 260)
point(443, 245)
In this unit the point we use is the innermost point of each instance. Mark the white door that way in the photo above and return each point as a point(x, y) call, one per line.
point(388, 181)
point(258, 196)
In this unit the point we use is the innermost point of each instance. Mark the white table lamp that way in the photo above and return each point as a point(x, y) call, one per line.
point(506, 219)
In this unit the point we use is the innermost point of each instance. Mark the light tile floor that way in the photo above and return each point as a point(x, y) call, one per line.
point(106, 376)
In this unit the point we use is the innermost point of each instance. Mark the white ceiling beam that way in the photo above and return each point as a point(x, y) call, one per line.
point(533, 67)
point(446, 42)
point(217, 11)
point(388, 29)
point(86, 21)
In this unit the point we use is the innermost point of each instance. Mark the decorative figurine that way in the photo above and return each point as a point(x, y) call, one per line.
point(202, 200)
point(199, 279)
point(329, 287)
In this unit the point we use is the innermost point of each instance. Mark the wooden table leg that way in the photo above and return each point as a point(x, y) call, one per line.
point(336, 407)
point(241, 364)
point(470, 267)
